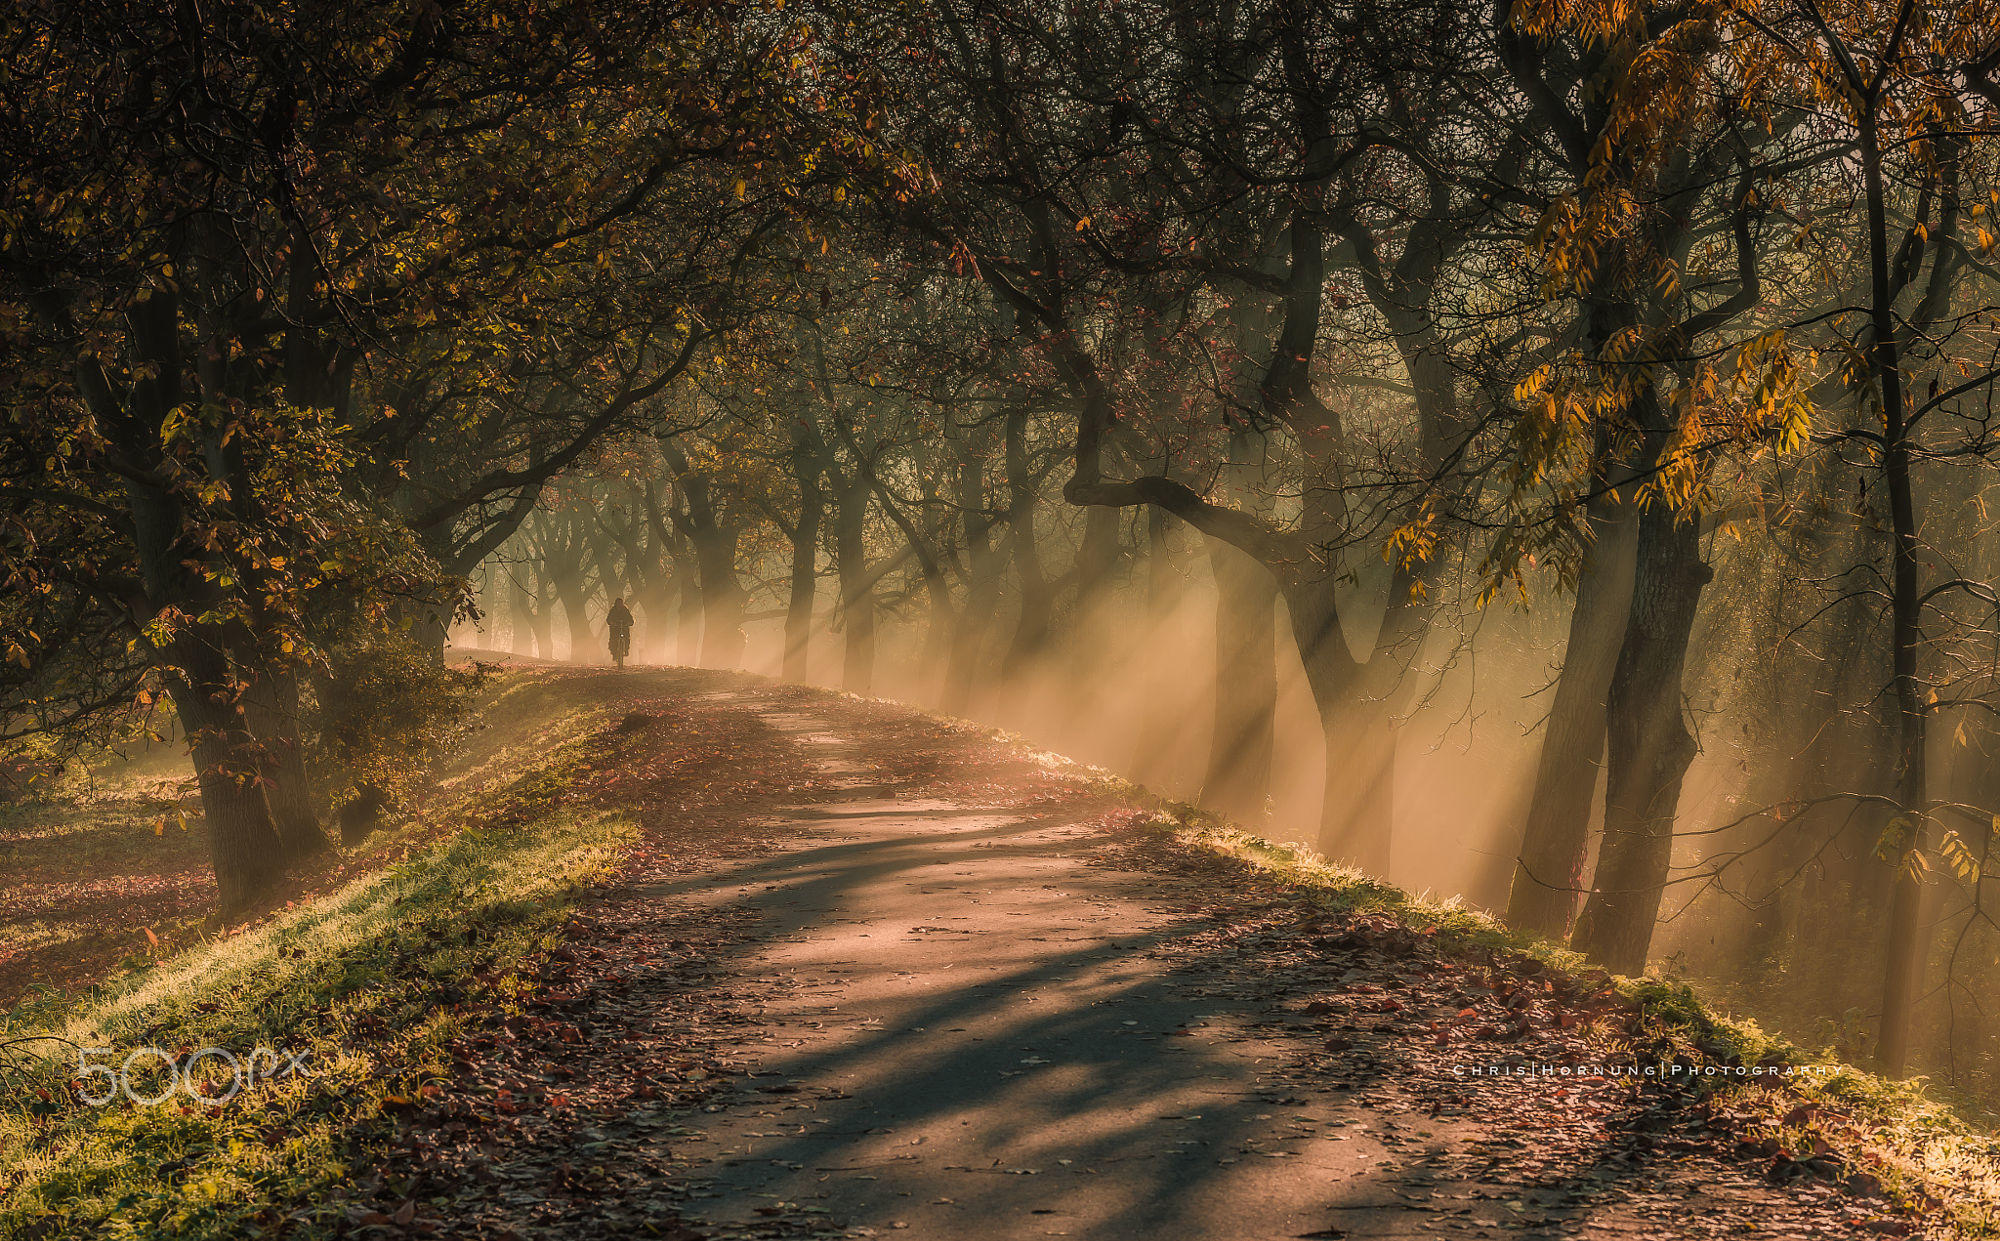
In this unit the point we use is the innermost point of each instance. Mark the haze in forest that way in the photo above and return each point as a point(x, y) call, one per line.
point(1538, 455)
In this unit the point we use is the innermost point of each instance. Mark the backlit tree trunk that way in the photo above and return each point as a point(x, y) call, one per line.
point(687, 639)
point(982, 590)
point(857, 591)
point(1549, 872)
point(804, 583)
point(722, 637)
point(1648, 744)
point(243, 841)
point(271, 711)
point(543, 624)
point(1031, 630)
point(576, 611)
point(1242, 743)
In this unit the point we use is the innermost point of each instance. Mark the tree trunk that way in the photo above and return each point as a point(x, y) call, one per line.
point(544, 623)
point(1358, 816)
point(1649, 746)
point(1355, 816)
point(656, 627)
point(1031, 631)
point(1156, 757)
point(523, 632)
point(1242, 743)
point(1555, 843)
point(857, 594)
point(722, 637)
point(1908, 940)
point(940, 624)
point(271, 712)
point(969, 633)
point(576, 610)
point(687, 636)
point(242, 840)
point(1243, 738)
point(805, 564)
point(1096, 562)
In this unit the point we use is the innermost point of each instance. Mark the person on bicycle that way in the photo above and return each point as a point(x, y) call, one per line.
point(620, 621)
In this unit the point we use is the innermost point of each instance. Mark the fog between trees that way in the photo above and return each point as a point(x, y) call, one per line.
point(1538, 453)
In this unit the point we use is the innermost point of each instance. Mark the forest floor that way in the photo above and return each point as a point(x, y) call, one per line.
point(868, 973)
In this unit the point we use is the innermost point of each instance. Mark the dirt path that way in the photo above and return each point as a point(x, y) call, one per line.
point(905, 979)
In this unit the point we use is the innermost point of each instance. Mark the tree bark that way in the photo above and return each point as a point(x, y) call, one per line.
point(576, 611)
point(857, 592)
point(521, 636)
point(1555, 843)
point(271, 712)
point(1243, 740)
point(242, 839)
point(687, 639)
point(1031, 630)
point(806, 472)
point(544, 620)
point(1096, 561)
point(722, 638)
point(1908, 939)
point(969, 633)
point(1649, 746)
point(1353, 828)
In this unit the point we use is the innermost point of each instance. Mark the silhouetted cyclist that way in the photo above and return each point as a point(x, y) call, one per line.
point(620, 621)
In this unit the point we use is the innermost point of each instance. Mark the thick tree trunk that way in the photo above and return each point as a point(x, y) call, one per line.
point(722, 638)
point(656, 625)
point(1096, 563)
point(687, 635)
point(576, 611)
point(1243, 739)
point(544, 624)
point(1555, 843)
point(243, 842)
point(432, 630)
point(797, 664)
point(857, 594)
point(271, 711)
point(523, 631)
point(969, 632)
point(1356, 818)
point(805, 566)
point(1157, 758)
point(1031, 630)
point(1649, 746)
point(940, 624)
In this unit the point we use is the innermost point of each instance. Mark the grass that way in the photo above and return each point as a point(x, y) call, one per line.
point(1922, 1152)
point(369, 982)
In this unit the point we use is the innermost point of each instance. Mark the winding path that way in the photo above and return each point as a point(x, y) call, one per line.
point(934, 985)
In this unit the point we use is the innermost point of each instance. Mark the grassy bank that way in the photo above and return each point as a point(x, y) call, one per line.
point(365, 985)
point(1920, 1151)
